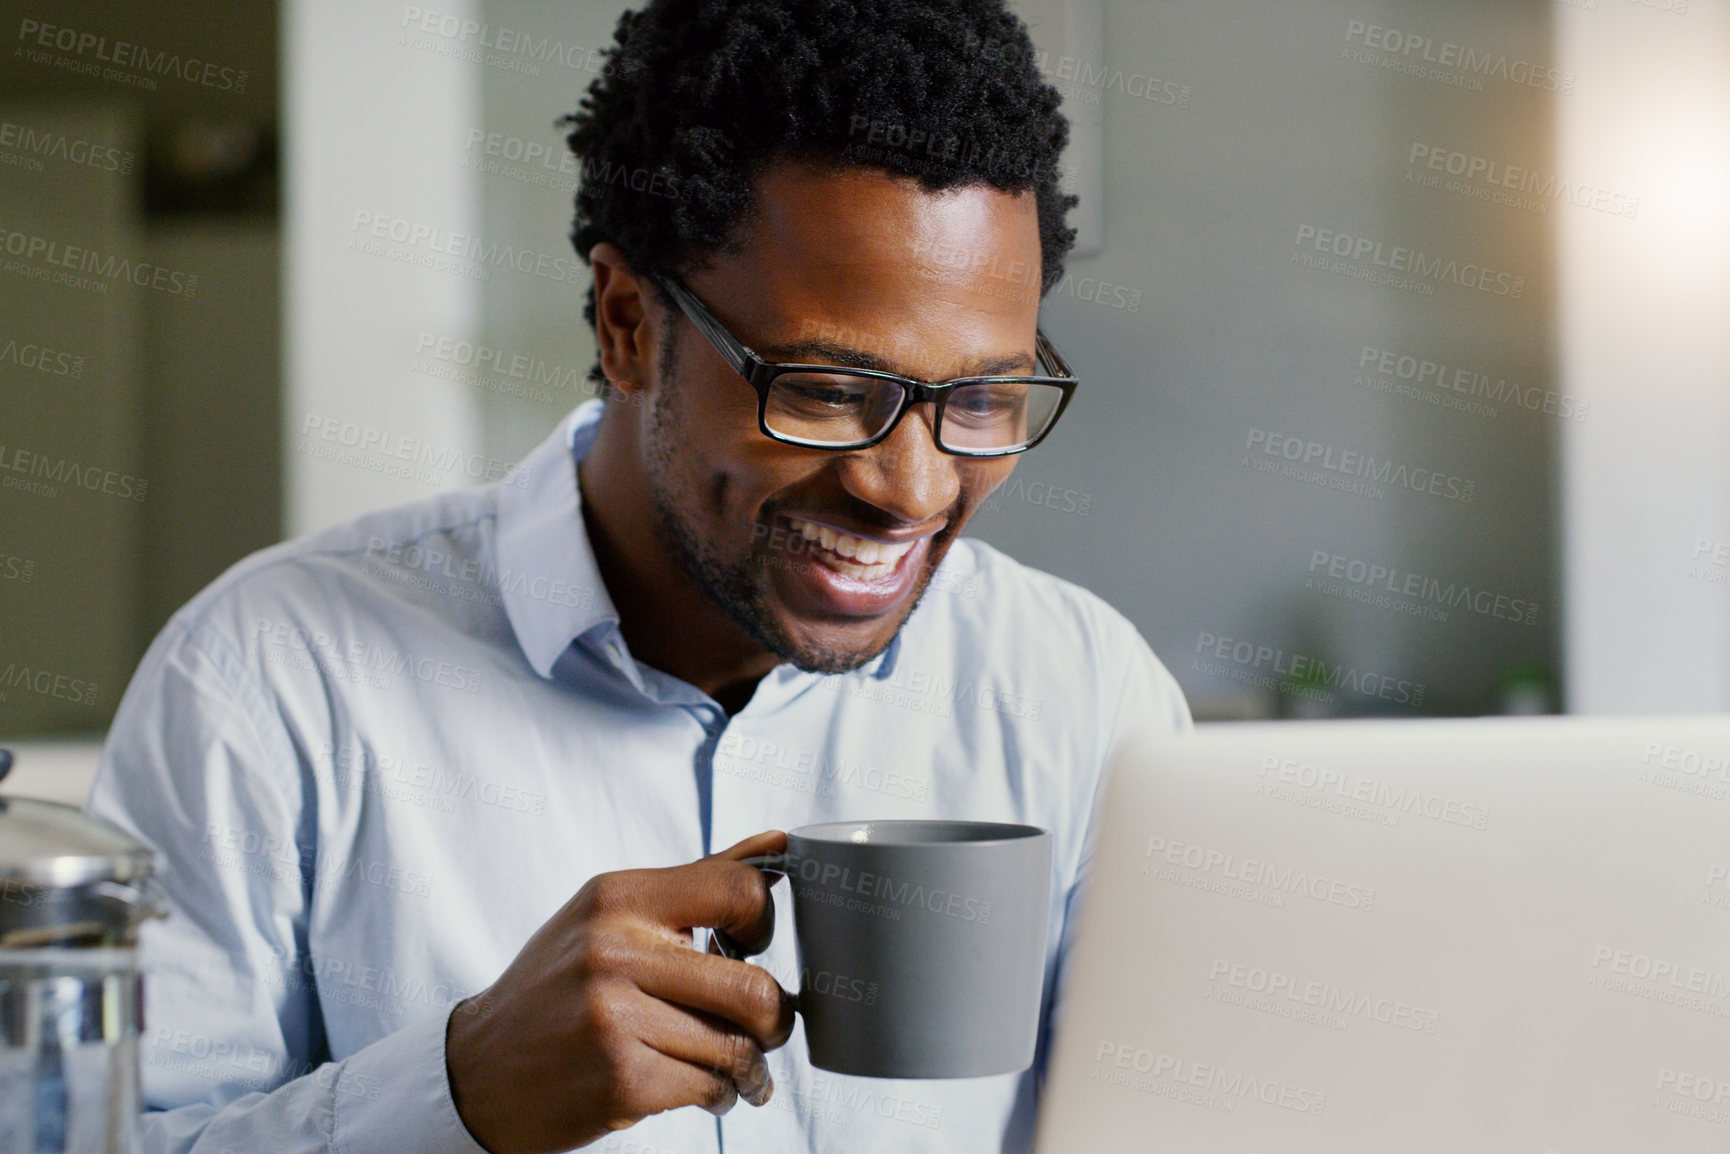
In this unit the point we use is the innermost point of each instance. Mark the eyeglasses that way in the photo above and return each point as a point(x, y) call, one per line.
point(826, 407)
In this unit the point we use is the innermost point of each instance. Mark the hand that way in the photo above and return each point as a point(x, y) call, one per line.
point(609, 1014)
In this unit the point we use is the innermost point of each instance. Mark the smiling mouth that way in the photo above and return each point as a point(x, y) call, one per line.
point(855, 557)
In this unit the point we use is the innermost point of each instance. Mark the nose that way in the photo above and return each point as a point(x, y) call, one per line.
point(906, 474)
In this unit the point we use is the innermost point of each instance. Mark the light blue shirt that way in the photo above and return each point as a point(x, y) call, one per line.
point(375, 760)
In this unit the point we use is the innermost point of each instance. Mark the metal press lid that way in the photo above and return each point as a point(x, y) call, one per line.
point(44, 843)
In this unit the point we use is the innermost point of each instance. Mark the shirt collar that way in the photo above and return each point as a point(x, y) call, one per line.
point(548, 578)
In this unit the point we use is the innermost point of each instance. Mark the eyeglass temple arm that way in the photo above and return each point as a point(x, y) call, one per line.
point(729, 346)
point(741, 358)
point(1046, 349)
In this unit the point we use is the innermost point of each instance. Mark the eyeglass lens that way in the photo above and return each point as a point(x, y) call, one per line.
point(843, 409)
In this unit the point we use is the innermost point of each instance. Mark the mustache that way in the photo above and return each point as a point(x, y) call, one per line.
point(772, 538)
point(865, 516)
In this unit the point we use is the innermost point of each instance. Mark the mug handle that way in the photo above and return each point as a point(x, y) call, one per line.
point(774, 863)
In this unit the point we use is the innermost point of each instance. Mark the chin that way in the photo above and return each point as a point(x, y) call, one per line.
point(826, 650)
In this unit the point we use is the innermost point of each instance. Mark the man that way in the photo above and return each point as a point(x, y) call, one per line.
point(379, 762)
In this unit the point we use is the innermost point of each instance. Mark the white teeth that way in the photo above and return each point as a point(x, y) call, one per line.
point(855, 556)
point(861, 572)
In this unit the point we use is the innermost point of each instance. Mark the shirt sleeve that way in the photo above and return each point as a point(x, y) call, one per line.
point(200, 766)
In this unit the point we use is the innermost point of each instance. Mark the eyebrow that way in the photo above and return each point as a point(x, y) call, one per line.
point(859, 359)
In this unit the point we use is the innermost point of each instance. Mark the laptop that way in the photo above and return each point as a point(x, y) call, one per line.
point(1498, 936)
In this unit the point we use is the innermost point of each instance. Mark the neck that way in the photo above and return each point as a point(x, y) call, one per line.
point(666, 617)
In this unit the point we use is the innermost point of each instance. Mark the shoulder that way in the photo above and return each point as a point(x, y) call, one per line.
point(368, 568)
point(1065, 642)
point(994, 596)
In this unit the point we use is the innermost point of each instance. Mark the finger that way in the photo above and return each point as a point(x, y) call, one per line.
point(715, 892)
point(708, 1043)
point(769, 841)
point(745, 995)
point(663, 1083)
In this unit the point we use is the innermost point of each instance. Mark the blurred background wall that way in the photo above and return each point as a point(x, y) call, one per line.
point(1401, 327)
point(140, 381)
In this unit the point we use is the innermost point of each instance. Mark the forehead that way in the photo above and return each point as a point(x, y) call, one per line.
point(955, 272)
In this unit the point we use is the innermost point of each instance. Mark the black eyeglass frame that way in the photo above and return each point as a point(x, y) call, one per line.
point(760, 375)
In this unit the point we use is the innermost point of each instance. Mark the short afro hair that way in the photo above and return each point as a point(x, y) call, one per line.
point(697, 97)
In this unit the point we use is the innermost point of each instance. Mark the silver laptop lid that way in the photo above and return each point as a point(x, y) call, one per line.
point(1362, 937)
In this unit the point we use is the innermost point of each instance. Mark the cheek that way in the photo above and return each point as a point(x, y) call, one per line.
point(711, 451)
point(979, 481)
point(733, 481)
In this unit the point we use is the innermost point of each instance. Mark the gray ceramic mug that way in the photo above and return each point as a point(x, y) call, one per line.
point(921, 944)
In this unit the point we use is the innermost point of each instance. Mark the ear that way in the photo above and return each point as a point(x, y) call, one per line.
point(624, 328)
